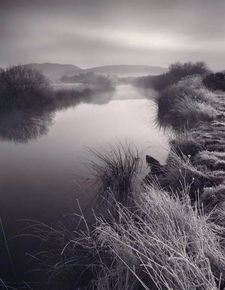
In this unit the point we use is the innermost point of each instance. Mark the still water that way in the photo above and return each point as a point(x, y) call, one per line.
point(42, 178)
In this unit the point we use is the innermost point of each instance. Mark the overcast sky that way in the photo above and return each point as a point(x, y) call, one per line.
point(100, 32)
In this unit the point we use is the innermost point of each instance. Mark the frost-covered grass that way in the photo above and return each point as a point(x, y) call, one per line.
point(185, 144)
point(213, 160)
point(162, 243)
point(165, 244)
point(116, 170)
point(185, 105)
point(165, 240)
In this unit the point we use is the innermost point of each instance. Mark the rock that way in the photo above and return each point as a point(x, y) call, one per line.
point(155, 166)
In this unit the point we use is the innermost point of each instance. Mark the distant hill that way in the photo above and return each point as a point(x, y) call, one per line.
point(55, 71)
point(128, 69)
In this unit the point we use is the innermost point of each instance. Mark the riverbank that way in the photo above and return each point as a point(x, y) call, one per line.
point(197, 155)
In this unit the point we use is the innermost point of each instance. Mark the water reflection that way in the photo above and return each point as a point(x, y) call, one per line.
point(21, 126)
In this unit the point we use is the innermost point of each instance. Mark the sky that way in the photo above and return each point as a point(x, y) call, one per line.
point(102, 32)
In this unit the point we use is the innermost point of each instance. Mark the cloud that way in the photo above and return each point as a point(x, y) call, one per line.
point(97, 32)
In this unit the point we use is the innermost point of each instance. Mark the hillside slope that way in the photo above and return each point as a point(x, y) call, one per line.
point(127, 69)
point(55, 71)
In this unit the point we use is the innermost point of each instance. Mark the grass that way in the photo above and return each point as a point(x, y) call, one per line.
point(162, 243)
point(180, 173)
point(185, 105)
point(185, 144)
point(165, 244)
point(162, 240)
point(116, 170)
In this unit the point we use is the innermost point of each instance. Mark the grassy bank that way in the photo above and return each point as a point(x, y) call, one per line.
point(146, 236)
point(162, 242)
point(197, 116)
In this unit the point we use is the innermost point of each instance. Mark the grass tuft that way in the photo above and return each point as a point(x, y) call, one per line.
point(116, 170)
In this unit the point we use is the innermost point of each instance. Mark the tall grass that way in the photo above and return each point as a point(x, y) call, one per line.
point(116, 170)
point(161, 243)
point(165, 244)
point(145, 237)
point(185, 144)
point(185, 105)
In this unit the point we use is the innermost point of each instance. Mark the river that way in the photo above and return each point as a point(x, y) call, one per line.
point(42, 177)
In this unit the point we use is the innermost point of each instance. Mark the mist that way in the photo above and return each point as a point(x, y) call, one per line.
point(92, 33)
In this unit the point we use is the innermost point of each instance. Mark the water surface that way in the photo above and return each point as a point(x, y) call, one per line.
point(41, 179)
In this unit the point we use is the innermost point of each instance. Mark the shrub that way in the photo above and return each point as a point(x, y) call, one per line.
point(215, 81)
point(100, 82)
point(23, 87)
point(175, 73)
point(184, 105)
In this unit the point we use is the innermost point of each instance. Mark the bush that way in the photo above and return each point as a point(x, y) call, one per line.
point(22, 87)
point(100, 82)
point(215, 81)
point(175, 73)
point(184, 105)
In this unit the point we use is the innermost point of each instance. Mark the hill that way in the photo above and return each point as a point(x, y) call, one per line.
point(55, 71)
point(128, 69)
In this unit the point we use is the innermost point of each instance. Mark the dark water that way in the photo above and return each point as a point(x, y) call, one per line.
point(41, 178)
